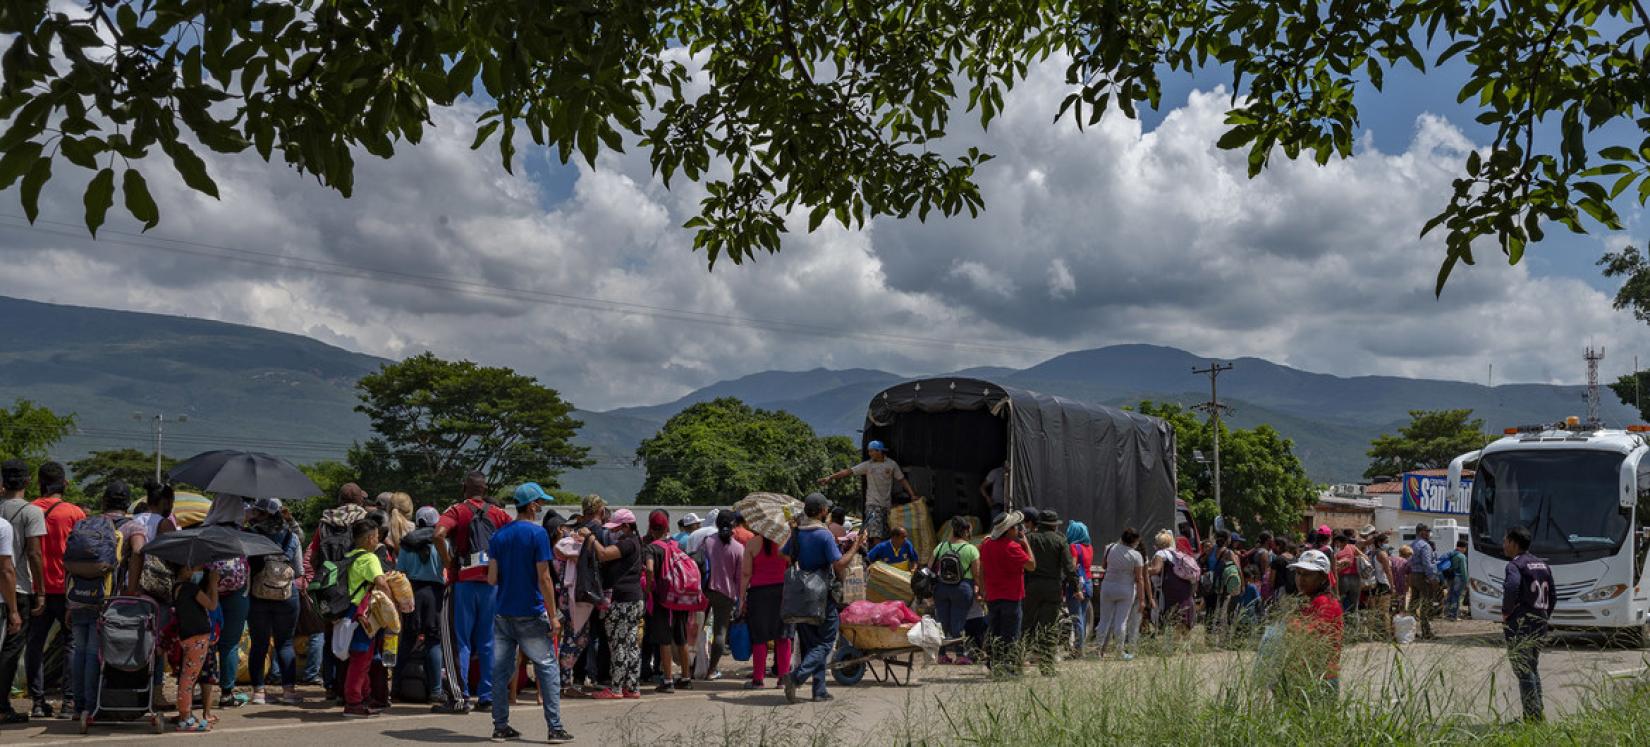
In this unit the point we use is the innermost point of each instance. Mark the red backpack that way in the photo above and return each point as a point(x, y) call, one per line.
point(681, 579)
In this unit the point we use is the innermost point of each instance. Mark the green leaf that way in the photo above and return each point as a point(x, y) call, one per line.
point(817, 215)
point(17, 162)
point(138, 202)
point(29, 192)
point(483, 132)
point(190, 167)
point(1236, 137)
point(82, 153)
point(1618, 153)
point(100, 194)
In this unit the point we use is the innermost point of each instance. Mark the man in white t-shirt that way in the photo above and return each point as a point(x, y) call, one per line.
point(993, 490)
point(8, 584)
point(879, 472)
point(28, 525)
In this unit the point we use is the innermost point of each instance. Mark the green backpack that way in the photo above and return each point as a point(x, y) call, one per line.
point(331, 592)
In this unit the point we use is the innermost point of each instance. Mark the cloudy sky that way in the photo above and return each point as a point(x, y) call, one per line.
point(1133, 231)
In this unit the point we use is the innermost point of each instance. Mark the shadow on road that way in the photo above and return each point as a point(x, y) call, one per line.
point(433, 735)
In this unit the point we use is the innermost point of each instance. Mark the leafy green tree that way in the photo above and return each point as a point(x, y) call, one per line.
point(1430, 440)
point(329, 475)
point(438, 419)
point(838, 108)
point(1263, 483)
point(719, 451)
point(1634, 388)
point(29, 431)
point(841, 453)
point(94, 472)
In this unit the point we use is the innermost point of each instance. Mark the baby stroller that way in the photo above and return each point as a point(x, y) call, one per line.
point(126, 632)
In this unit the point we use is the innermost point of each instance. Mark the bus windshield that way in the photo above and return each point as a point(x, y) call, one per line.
point(1566, 498)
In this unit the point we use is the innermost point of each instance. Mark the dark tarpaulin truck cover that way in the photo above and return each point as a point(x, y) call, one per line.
point(1107, 467)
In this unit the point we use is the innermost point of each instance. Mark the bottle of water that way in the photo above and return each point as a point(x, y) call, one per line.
point(392, 642)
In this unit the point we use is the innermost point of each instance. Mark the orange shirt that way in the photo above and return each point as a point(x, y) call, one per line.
point(61, 517)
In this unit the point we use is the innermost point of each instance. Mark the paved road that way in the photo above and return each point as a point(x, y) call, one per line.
point(1468, 657)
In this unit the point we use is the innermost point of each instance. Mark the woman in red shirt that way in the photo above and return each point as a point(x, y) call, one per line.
point(1004, 560)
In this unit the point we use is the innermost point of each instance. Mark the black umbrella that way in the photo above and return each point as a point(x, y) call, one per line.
point(201, 545)
point(245, 473)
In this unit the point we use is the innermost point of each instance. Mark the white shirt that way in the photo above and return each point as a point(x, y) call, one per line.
point(7, 543)
point(879, 481)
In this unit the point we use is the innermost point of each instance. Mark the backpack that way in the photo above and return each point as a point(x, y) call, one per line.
point(331, 593)
point(157, 579)
point(949, 566)
point(1185, 568)
point(1366, 568)
point(332, 538)
point(681, 579)
point(478, 538)
point(273, 581)
point(92, 556)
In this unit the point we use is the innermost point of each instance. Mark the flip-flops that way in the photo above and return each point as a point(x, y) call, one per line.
point(193, 724)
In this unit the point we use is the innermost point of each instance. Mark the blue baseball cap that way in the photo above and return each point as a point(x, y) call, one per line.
point(876, 446)
point(529, 492)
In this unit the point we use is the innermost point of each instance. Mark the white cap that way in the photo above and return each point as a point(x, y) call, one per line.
point(1312, 560)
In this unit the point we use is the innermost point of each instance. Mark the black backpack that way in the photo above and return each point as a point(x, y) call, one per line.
point(412, 678)
point(332, 542)
point(949, 566)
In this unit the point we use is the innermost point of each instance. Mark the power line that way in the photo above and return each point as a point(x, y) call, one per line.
point(494, 291)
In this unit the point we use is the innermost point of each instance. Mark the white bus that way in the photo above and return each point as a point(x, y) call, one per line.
point(1584, 494)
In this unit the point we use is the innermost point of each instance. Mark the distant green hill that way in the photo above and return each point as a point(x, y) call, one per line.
point(294, 396)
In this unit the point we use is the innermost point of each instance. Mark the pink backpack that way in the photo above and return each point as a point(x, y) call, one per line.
point(1185, 567)
point(681, 579)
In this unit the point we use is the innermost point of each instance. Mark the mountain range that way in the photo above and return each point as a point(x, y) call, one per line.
point(248, 387)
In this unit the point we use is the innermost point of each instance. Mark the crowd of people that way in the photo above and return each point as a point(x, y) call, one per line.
point(462, 606)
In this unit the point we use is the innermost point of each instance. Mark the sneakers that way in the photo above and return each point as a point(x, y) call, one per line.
point(453, 706)
point(259, 698)
point(292, 698)
point(357, 712)
point(632, 695)
point(559, 736)
point(824, 698)
point(684, 683)
point(606, 694)
point(1128, 656)
point(505, 734)
point(666, 688)
point(42, 709)
point(715, 674)
point(790, 689)
point(754, 685)
point(485, 706)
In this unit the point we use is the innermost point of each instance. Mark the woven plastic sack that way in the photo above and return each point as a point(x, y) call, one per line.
point(401, 591)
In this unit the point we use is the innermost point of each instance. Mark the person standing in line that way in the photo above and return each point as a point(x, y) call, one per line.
point(1526, 604)
point(366, 575)
point(461, 537)
point(665, 629)
point(1318, 628)
point(1380, 598)
point(1456, 578)
point(1122, 591)
point(527, 619)
point(1400, 579)
point(195, 596)
point(83, 659)
point(592, 666)
point(685, 527)
point(1350, 583)
point(1005, 558)
point(155, 520)
point(421, 563)
point(761, 595)
point(60, 517)
point(332, 541)
point(622, 570)
point(11, 617)
point(1179, 607)
point(957, 571)
point(1078, 596)
point(235, 605)
point(815, 550)
point(273, 611)
point(880, 474)
point(28, 528)
point(1046, 586)
point(1424, 581)
point(723, 558)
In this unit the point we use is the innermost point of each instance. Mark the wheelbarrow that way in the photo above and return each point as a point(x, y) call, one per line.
point(886, 653)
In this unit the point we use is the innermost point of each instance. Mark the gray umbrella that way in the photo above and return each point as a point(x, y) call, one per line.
point(247, 473)
point(201, 545)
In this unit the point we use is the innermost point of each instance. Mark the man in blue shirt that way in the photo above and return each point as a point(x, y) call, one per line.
point(1526, 603)
point(895, 550)
point(1425, 582)
point(524, 600)
point(814, 549)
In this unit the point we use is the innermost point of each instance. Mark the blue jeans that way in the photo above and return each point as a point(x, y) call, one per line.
point(312, 662)
point(472, 622)
point(1079, 609)
point(951, 605)
point(1452, 605)
point(817, 642)
point(1003, 628)
point(83, 667)
point(235, 605)
point(532, 636)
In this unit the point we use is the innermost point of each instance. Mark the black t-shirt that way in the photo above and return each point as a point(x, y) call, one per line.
point(192, 619)
point(1283, 577)
point(624, 574)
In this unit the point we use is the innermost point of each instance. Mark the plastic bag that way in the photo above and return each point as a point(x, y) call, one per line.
point(400, 591)
point(927, 635)
point(701, 653)
point(885, 614)
point(343, 632)
point(1403, 628)
point(739, 641)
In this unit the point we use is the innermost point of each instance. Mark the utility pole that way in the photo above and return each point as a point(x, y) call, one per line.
point(1593, 357)
point(1214, 408)
point(158, 423)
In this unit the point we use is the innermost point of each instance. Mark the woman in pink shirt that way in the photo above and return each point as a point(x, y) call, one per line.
point(761, 583)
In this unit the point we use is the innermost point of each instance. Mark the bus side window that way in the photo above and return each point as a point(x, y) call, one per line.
point(1641, 535)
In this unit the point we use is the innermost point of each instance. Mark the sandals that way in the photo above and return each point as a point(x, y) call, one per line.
point(193, 724)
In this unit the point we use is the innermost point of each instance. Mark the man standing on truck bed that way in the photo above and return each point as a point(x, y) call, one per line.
point(879, 472)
